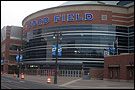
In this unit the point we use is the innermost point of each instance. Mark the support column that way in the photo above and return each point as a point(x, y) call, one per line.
point(38, 70)
point(58, 71)
point(26, 69)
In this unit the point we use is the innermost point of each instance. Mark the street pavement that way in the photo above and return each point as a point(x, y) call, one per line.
point(15, 83)
point(78, 83)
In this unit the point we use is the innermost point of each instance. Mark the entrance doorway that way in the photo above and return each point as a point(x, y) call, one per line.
point(12, 69)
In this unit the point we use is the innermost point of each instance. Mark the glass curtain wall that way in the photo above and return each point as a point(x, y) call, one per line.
point(79, 42)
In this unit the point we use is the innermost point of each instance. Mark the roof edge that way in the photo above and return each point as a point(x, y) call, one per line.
point(71, 5)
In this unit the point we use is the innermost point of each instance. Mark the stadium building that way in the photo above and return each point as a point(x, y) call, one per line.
point(86, 28)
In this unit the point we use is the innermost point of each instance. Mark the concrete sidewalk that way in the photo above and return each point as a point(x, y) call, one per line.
point(79, 83)
point(43, 79)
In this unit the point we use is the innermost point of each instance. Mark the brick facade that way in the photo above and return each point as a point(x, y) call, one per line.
point(5, 54)
point(96, 19)
point(96, 73)
point(119, 67)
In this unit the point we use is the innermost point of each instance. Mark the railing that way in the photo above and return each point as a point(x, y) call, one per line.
point(70, 73)
point(47, 72)
point(51, 72)
point(32, 71)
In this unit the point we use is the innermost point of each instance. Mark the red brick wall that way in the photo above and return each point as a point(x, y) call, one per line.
point(121, 60)
point(96, 73)
point(7, 42)
point(7, 52)
point(127, 19)
point(96, 19)
point(124, 20)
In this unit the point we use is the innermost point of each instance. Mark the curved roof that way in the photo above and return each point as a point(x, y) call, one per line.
point(89, 2)
point(76, 3)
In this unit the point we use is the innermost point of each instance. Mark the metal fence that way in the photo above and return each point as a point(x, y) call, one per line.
point(70, 73)
point(47, 72)
point(32, 71)
point(51, 72)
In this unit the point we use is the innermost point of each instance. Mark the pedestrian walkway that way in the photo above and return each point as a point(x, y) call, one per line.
point(79, 83)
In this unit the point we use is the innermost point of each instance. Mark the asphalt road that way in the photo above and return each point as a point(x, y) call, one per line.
point(14, 83)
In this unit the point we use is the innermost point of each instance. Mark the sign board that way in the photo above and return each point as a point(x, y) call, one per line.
point(53, 50)
point(17, 57)
point(111, 49)
point(114, 50)
point(21, 56)
point(1, 61)
point(59, 50)
point(64, 18)
point(106, 53)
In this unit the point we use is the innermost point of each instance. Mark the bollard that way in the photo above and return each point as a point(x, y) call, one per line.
point(22, 76)
point(14, 75)
point(49, 80)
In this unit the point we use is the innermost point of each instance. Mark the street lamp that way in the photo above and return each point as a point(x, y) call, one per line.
point(18, 50)
point(57, 36)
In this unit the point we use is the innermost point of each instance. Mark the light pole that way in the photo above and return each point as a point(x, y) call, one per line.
point(57, 36)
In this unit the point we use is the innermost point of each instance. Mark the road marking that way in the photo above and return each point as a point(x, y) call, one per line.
point(6, 86)
point(18, 87)
point(70, 82)
point(21, 87)
point(91, 87)
point(22, 81)
point(5, 81)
